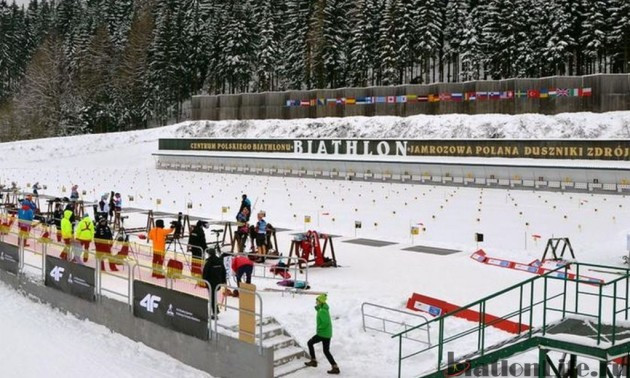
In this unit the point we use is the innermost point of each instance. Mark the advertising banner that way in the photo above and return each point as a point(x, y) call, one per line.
point(9, 257)
point(178, 311)
point(593, 149)
point(72, 278)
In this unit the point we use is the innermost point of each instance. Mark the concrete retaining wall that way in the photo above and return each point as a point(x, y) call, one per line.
point(610, 92)
point(226, 357)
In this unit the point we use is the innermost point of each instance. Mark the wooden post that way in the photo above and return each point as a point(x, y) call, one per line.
point(246, 315)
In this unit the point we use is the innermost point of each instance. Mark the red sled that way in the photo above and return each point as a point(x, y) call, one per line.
point(174, 268)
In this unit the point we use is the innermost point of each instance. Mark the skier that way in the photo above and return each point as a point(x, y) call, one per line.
point(29, 202)
point(246, 204)
point(36, 188)
point(323, 334)
point(242, 266)
point(85, 234)
point(158, 235)
point(103, 240)
point(102, 210)
point(74, 193)
point(261, 235)
point(243, 228)
point(214, 273)
point(198, 245)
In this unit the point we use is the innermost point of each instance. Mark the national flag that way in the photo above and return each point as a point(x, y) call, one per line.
point(401, 99)
point(341, 101)
point(507, 95)
point(412, 98)
point(520, 94)
point(544, 93)
point(313, 102)
point(351, 101)
point(494, 95)
point(423, 98)
point(482, 95)
point(533, 93)
point(574, 92)
point(552, 93)
point(456, 96)
point(391, 99)
point(380, 99)
point(305, 103)
point(445, 96)
point(562, 92)
point(331, 101)
point(364, 100)
point(586, 92)
point(321, 101)
point(434, 98)
point(471, 96)
point(289, 102)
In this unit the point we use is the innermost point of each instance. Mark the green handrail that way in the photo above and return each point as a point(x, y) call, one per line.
point(551, 274)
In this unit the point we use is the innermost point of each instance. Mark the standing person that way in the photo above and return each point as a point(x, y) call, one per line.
point(84, 234)
point(102, 209)
point(246, 204)
point(25, 220)
point(74, 193)
point(214, 273)
point(242, 228)
point(198, 245)
point(57, 217)
point(30, 203)
point(242, 266)
point(66, 233)
point(158, 235)
point(103, 241)
point(261, 235)
point(35, 189)
point(323, 334)
point(117, 202)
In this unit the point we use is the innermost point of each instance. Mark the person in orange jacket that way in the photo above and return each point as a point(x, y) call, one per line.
point(158, 236)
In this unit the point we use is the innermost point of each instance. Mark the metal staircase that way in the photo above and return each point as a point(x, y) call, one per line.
point(577, 317)
point(288, 355)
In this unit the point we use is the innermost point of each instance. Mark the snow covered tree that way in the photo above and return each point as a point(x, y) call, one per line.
point(456, 15)
point(363, 60)
point(472, 47)
point(268, 52)
point(594, 36)
point(298, 53)
point(388, 46)
point(620, 35)
point(334, 43)
point(429, 34)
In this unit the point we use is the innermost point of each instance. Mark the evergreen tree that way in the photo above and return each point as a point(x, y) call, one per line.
point(334, 43)
point(298, 53)
point(620, 35)
point(594, 36)
point(388, 46)
point(456, 15)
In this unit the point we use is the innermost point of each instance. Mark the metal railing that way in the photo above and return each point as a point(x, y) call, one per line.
point(258, 313)
point(100, 272)
point(291, 267)
point(385, 321)
point(528, 304)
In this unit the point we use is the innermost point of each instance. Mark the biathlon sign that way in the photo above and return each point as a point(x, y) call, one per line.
point(593, 149)
point(175, 310)
point(71, 278)
point(9, 257)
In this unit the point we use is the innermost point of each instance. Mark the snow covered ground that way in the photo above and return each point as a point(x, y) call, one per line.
point(596, 224)
point(38, 341)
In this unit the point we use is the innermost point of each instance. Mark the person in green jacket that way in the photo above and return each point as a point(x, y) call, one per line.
point(323, 335)
point(66, 233)
point(85, 234)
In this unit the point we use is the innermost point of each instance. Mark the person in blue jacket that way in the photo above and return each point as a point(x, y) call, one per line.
point(25, 219)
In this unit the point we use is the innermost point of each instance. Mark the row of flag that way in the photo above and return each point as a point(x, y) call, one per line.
point(454, 96)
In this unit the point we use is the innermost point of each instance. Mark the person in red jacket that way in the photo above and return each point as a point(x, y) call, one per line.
point(242, 266)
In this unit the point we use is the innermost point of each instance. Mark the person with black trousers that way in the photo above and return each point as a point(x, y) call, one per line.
point(214, 272)
point(198, 245)
point(246, 204)
point(103, 240)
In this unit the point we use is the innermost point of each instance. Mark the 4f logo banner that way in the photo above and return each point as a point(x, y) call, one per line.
point(71, 278)
point(150, 302)
point(175, 310)
point(9, 258)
